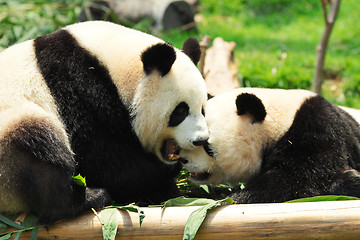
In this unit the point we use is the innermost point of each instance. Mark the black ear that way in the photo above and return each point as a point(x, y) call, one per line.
point(191, 47)
point(247, 103)
point(159, 57)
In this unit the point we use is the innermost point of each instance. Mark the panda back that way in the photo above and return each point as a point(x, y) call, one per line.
point(118, 48)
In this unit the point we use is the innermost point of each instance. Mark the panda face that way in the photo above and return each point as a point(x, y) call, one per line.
point(241, 126)
point(168, 106)
point(233, 151)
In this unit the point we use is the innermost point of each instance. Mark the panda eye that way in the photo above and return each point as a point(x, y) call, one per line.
point(179, 114)
point(208, 149)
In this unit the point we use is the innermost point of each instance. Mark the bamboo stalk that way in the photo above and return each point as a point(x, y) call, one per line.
point(315, 220)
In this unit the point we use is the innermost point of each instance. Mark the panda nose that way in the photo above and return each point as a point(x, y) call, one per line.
point(200, 142)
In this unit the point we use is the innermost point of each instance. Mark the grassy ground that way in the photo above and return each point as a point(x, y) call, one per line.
point(276, 40)
point(276, 43)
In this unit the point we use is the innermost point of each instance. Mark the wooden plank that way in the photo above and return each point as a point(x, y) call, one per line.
point(316, 220)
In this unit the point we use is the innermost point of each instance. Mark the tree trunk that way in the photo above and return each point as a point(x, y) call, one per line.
point(321, 48)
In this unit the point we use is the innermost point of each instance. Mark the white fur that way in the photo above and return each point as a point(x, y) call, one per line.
point(151, 98)
point(355, 113)
point(237, 142)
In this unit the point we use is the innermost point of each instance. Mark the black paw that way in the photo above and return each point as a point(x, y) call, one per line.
point(97, 198)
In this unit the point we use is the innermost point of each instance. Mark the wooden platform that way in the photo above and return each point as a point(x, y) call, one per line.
point(316, 220)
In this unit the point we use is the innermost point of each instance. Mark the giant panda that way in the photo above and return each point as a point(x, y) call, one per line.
point(113, 104)
point(283, 144)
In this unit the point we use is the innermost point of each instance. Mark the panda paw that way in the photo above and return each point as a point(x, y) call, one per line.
point(97, 198)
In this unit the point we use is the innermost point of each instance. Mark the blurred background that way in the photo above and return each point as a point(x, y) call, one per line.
point(275, 39)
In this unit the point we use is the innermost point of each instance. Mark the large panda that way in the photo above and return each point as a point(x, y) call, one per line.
point(101, 100)
point(283, 144)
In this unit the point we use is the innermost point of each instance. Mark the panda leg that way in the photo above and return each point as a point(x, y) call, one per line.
point(36, 162)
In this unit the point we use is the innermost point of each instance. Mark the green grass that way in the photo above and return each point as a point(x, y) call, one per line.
point(276, 43)
point(276, 39)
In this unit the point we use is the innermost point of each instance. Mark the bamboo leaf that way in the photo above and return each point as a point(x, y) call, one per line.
point(79, 180)
point(17, 235)
point(183, 201)
point(29, 221)
point(34, 233)
point(110, 223)
point(324, 198)
point(10, 222)
point(133, 208)
point(5, 237)
point(3, 226)
point(197, 217)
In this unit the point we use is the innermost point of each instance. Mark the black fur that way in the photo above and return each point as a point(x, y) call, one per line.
point(323, 142)
point(191, 47)
point(347, 183)
point(159, 57)
point(107, 151)
point(45, 177)
point(247, 103)
point(179, 114)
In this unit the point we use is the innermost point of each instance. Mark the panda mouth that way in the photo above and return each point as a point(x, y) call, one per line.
point(200, 177)
point(170, 150)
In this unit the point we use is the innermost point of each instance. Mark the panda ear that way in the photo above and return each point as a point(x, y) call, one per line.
point(191, 47)
point(159, 57)
point(247, 103)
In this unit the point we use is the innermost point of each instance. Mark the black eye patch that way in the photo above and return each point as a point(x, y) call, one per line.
point(208, 149)
point(179, 114)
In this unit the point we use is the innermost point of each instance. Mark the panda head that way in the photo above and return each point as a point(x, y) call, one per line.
point(167, 109)
point(242, 123)
point(159, 84)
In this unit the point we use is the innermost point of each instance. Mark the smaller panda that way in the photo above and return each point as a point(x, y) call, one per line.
point(283, 144)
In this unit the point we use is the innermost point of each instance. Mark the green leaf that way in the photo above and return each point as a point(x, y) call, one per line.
point(29, 221)
point(205, 188)
point(183, 201)
point(79, 180)
point(110, 223)
point(197, 217)
point(10, 222)
point(34, 233)
point(17, 235)
point(324, 198)
point(3, 226)
point(5, 237)
point(133, 208)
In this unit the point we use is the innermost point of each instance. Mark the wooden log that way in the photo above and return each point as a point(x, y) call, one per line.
point(220, 70)
point(314, 220)
point(204, 45)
